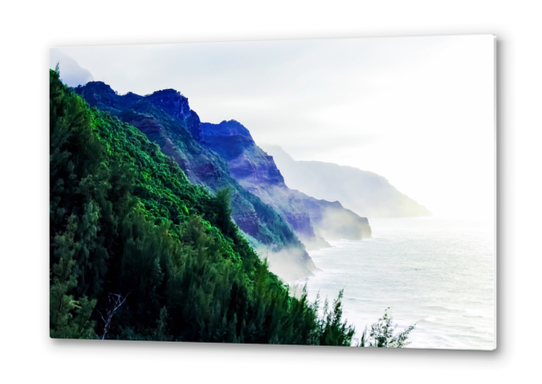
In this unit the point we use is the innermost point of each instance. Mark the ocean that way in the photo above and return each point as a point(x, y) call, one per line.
point(439, 274)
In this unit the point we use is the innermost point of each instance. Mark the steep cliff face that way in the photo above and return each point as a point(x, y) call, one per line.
point(365, 193)
point(313, 220)
point(166, 119)
point(246, 161)
point(176, 105)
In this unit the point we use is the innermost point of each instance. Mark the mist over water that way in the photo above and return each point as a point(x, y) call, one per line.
point(438, 273)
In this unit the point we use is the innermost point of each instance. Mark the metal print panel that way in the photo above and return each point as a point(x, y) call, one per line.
point(316, 192)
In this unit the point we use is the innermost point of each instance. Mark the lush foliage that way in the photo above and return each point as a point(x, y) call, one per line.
point(381, 334)
point(138, 252)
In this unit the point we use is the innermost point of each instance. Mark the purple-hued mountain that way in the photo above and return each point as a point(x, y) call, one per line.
point(167, 120)
point(225, 155)
point(314, 221)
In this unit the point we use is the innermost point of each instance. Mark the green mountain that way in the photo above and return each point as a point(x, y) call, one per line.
point(166, 119)
point(138, 252)
point(225, 155)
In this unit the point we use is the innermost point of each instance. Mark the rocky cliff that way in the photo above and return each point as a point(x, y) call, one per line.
point(166, 119)
point(313, 220)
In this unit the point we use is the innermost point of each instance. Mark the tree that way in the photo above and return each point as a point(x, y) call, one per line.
point(223, 210)
point(334, 331)
point(381, 334)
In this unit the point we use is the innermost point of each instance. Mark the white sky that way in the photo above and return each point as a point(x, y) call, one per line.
point(416, 110)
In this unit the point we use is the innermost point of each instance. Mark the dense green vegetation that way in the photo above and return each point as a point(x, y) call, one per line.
point(138, 252)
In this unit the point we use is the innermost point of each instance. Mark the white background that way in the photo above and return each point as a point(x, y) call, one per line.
point(28, 30)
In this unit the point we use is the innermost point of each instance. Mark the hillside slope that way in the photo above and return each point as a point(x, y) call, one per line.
point(165, 118)
point(137, 252)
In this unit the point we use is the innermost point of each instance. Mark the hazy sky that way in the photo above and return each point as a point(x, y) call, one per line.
point(416, 110)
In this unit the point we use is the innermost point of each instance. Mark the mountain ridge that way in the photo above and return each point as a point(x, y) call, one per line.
point(364, 192)
point(166, 119)
point(225, 154)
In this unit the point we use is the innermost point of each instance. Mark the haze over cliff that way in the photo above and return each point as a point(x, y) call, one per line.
point(364, 192)
point(314, 221)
